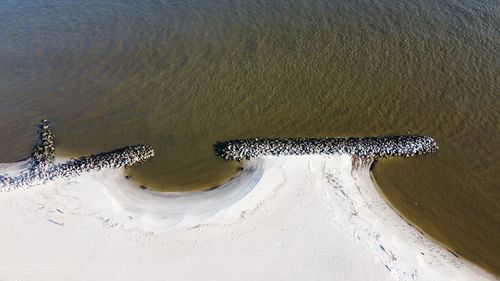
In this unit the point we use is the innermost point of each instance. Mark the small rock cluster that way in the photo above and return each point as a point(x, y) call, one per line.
point(43, 153)
point(41, 167)
point(373, 147)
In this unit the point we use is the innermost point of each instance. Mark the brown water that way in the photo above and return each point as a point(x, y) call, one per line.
point(180, 75)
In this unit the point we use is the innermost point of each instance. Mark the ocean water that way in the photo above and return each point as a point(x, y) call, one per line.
point(181, 75)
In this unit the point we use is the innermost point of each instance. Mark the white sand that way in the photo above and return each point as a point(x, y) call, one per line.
point(283, 218)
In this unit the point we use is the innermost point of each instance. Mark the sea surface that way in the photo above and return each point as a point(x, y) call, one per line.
point(182, 74)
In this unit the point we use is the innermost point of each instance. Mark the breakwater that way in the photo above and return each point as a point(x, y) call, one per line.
point(41, 166)
point(374, 147)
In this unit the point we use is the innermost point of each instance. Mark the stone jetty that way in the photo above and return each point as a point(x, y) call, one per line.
point(369, 147)
point(41, 167)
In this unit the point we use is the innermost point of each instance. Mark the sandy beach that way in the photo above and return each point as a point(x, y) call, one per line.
point(282, 218)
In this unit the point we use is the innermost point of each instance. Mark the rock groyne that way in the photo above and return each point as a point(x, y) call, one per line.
point(41, 166)
point(369, 147)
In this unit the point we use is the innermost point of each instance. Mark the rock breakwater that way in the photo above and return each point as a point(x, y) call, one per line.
point(41, 166)
point(369, 147)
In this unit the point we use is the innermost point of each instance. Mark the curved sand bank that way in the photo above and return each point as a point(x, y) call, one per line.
point(282, 218)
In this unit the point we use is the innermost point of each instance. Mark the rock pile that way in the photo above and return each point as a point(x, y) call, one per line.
point(374, 147)
point(41, 167)
point(43, 153)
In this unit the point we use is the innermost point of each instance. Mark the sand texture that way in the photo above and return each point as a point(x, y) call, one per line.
point(282, 218)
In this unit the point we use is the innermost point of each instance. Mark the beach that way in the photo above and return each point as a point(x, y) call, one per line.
point(313, 217)
point(181, 76)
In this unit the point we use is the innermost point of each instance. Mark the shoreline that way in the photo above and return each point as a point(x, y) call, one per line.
point(285, 218)
point(469, 263)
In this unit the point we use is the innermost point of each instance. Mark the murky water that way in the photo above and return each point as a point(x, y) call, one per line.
point(180, 75)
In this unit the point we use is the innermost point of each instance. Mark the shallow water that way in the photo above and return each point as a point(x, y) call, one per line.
point(181, 75)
